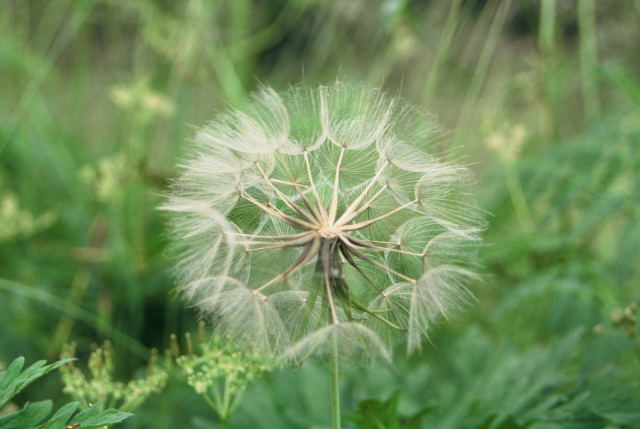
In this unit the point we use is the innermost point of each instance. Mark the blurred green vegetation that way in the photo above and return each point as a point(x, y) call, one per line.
point(98, 102)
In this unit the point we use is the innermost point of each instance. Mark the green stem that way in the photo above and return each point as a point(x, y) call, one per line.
point(226, 404)
point(588, 57)
point(215, 404)
point(518, 199)
point(549, 75)
point(335, 384)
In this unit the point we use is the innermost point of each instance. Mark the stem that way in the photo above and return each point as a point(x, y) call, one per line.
point(284, 197)
point(347, 216)
point(518, 199)
point(364, 224)
point(364, 244)
point(335, 384)
point(364, 207)
point(352, 249)
point(588, 57)
point(274, 211)
point(314, 191)
point(226, 401)
point(213, 404)
point(333, 207)
point(305, 256)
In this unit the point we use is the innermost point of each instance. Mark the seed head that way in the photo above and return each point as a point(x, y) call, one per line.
point(321, 213)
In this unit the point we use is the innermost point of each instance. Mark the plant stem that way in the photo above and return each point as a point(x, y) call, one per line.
point(588, 57)
point(518, 199)
point(335, 384)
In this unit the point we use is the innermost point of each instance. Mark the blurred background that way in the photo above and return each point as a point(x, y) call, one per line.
point(98, 101)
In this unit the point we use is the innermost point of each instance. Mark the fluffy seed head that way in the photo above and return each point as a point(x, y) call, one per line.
point(323, 213)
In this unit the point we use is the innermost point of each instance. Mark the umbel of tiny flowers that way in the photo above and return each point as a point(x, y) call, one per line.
point(323, 220)
point(101, 388)
point(218, 371)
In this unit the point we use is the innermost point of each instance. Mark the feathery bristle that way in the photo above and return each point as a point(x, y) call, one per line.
point(323, 213)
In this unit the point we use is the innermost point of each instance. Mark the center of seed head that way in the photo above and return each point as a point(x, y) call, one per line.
point(329, 231)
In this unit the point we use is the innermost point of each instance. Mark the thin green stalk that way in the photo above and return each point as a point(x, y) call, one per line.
point(546, 43)
point(518, 198)
point(444, 45)
point(588, 57)
point(484, 63)
point(39, 294)
point(31, 91)
point(216, 407)
point(61, 334)
point(226, 402)
point(335, 384)
point(225, 68)
point(546, 31)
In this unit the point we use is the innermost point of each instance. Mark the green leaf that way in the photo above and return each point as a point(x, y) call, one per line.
point(7, 379)
point(28, 417)
point(374, 414)
point(93, 417)
point(13, 381)
point(500, 422)
point(36, 371)
point(62, 416)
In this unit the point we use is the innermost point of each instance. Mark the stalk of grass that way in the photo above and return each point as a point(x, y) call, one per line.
point(518, 198)
point(65, 325)
point(335, 384)
point(42, 296)
point(482, 67)
point(222, 61)
point(588, 57)
point(67, 33)
point(444, 44)
point(546, 28)
point(547, 46)
point(274, 31)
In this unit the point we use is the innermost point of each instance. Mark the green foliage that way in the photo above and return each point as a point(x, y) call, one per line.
point(34, 415)
point(99, 99)
point(101, 387)
point(220, 373)
point(374, 414)
point(14, 379)
point(546, 386)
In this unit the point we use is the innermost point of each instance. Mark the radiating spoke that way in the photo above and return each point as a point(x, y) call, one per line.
point(285, 198)
point(274, 244)
point(333, 206)
point(364, 207)
point(393, 243)
point(305, 256)
point(355, 251)
point(366, 223)
point(314, 191)
point(364, 244)
point(310, 206)
point(300, 241)
point(303, 197)
point(345, 252)
point(301, 192)
point(275, 237)
point(298, 223)
point(286, 182)
point(354, 205)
